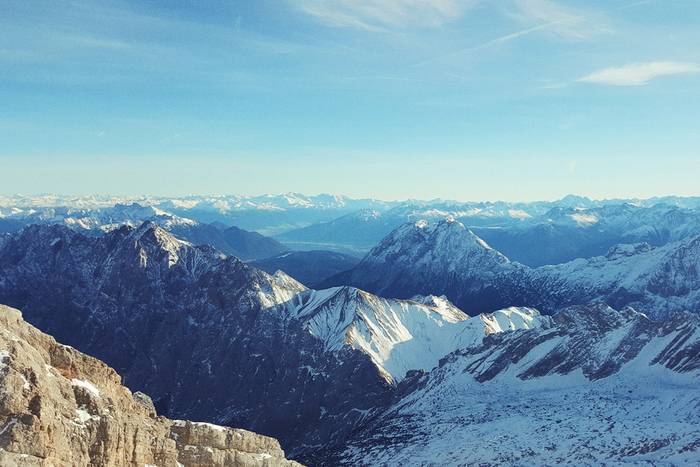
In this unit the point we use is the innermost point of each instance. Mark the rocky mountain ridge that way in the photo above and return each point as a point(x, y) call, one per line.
point(399, 336)
point(230, 240)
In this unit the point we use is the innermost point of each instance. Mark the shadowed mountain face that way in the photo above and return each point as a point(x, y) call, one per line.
point(356, 232)
point(192, 329)
point(446, 258)
point(230, 240)
point(308, 267)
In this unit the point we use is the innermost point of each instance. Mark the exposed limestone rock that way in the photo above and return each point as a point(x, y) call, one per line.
point(59, 407)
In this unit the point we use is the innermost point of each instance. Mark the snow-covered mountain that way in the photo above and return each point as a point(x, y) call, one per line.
point(589, 386)
point(532, 233)
point(438, 258)
point(565, 233)
point(445, 258)
point(213, 339)
point(398, 335)
point(230, 240)
point(192, 328)
point(345, 376)
point(658, 281)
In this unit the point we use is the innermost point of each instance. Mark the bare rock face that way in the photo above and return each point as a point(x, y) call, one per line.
point(59, 407)
point(204, 444)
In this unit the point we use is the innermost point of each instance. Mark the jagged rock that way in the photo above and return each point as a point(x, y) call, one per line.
point(59, 407)
point(146, 401)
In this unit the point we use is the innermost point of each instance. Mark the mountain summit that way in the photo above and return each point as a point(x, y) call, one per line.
point(440, 258)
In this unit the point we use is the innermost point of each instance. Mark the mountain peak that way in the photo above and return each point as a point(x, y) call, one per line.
point(447, 239)
point(151, 238)
point(428, 257)
point(441, 304)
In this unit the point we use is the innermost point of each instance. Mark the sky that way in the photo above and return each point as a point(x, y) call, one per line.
point(392, 99)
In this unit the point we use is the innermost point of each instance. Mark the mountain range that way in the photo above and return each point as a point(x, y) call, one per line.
point(434, 339)
point(230, 240)
point(189, 327)
point(447, 258)
point(533, 233)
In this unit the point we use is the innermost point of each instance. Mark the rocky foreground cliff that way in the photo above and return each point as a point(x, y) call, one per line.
point(60, 407)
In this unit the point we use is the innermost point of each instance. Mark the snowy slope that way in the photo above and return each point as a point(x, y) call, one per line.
point(593, 387)
point(398, 335)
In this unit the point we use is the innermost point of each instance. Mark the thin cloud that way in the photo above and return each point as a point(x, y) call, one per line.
point(557, 19)
point(484, 45)
point(639, 74)
point(557, 23)
point(379, 15)
point(383, 15)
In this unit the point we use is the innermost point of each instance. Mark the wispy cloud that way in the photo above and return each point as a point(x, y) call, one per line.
point(546, 16)
point(378, 15)
point(558, 19)
point(639, 74)
point(381, 15)
point(485, 45)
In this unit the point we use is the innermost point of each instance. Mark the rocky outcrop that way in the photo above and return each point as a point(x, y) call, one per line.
point(59, 407)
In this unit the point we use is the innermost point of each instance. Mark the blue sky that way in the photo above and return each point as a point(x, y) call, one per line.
point(460, 99)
